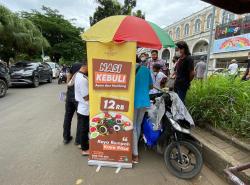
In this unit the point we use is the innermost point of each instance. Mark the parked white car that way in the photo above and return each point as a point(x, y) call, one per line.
point(55, 69)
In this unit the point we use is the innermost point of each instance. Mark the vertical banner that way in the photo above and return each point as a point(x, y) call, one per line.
point(111, 92)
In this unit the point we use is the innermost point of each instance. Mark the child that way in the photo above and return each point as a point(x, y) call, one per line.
point(159, 79)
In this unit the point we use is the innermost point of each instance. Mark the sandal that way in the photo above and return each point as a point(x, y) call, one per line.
point(85, 152)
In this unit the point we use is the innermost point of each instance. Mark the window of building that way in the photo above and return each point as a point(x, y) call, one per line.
point(186, 30)
point(177, 33)
point(227, 17)
point(197, 25)
point(209, 21)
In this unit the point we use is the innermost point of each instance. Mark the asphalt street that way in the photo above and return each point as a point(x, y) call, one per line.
point(32, 151)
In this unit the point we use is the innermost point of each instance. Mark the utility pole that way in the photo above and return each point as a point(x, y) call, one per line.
point(210, 39)
point(42, 53)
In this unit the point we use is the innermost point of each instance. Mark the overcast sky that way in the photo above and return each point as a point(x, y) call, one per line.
point(161, 12)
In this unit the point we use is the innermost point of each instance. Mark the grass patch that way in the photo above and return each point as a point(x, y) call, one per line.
point(223, 102)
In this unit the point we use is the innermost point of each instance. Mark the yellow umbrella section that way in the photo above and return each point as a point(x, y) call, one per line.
point(104, 30)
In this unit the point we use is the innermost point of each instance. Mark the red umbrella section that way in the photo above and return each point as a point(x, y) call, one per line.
point(121, 28)
point(235, 6)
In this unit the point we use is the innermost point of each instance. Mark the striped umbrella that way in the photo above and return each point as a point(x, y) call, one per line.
point(122, 28)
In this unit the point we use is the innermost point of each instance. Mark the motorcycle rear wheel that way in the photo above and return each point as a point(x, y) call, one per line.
point(179, 169)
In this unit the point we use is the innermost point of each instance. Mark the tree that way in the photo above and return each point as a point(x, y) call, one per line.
point(19, 36)
point(108, 8)
point(63, 37)
point(128, 6)
point(139, 14)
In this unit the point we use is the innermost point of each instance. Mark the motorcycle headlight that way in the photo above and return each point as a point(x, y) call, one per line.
point(178, 127)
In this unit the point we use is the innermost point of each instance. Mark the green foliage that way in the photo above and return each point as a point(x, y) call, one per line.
point(66, 62)
point(128, 6)
point(62, 35)
point(223, 102)
point(108, 8)
point(22, 57)
point(139, 14)
point(19, 35)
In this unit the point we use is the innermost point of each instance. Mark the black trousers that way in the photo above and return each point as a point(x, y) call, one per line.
point(70, 109)
point(182, 94)
point(83, 124)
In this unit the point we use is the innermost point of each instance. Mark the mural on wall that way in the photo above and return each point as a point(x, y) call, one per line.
point(237, 43)
point(234, 28)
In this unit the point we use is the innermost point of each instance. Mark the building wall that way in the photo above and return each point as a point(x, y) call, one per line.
point(194, 38)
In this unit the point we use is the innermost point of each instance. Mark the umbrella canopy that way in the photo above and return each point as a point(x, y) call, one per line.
point(235, 6)
point(122, 28)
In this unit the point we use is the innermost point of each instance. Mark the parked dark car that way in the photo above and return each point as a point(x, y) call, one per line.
point(30, 73)
point(4, 80)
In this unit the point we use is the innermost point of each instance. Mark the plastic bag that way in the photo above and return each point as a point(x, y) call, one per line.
point(156, 113)
point(152, 115)
point(62, 96)
point(150, 135)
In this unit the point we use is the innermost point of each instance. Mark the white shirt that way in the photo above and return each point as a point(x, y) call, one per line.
point(233, 69)
point(82, 90)
point(157, 81)
point(200, 69)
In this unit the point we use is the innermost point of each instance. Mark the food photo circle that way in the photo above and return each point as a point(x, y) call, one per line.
point(107, 123)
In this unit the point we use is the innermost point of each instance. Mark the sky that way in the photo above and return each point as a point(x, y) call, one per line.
point(161, 12)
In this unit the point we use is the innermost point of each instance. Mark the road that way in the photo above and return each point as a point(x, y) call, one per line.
point(32, 152)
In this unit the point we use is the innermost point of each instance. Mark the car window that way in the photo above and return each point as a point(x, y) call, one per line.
point(52, 65)
point(26, 65)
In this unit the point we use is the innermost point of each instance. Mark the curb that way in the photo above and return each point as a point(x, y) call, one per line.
point(230, 139)
point(217, 159)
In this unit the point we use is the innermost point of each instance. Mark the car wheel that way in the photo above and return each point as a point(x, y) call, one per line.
point(3, 88)
point(50, 79)
point(35, 82)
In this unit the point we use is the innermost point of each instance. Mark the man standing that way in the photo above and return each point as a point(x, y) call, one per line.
point(82, 97)
point(156, 60)
point(70, 106)
point(143, 84)
point(184, 70)
point(200, 69)
point(233, 68)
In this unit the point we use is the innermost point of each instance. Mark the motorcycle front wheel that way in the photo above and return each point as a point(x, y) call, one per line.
point(191, 162)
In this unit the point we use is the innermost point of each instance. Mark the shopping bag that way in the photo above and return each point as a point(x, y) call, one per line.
point(150, 135)
point(62, 96)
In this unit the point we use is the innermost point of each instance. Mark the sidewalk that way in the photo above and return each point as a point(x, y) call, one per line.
point(220, 154)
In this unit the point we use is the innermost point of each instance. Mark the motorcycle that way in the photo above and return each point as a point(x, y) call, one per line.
point(182, 153)
point(62, 77)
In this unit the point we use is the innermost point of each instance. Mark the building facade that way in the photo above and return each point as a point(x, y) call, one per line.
point(195, 30)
